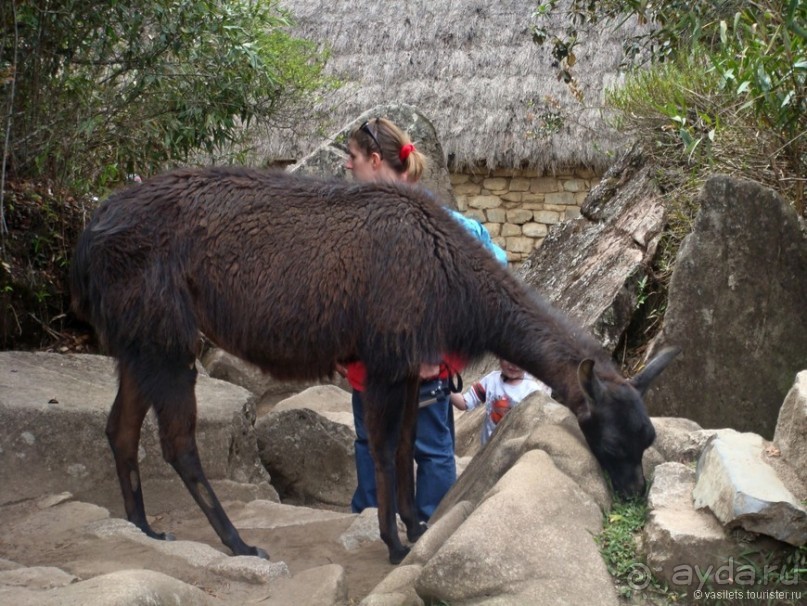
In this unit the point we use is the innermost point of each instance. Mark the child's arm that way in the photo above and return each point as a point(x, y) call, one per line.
point(475, 395)
point(458, 401)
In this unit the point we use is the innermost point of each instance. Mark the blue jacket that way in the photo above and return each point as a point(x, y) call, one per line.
point(478, 230)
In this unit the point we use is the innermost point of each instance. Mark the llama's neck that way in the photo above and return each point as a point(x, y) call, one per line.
point(542, 341)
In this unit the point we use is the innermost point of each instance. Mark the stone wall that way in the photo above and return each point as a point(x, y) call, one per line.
point(519, 206)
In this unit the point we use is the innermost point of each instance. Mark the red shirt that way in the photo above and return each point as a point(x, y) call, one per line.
point(357, 371)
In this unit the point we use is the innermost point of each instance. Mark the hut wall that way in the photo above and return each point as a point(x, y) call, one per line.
point(518, 207)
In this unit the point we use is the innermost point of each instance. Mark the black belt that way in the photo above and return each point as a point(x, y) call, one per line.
point(432, 391)
point(437, 389)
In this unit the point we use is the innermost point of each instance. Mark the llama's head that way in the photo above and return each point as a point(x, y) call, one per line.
point(615, 422)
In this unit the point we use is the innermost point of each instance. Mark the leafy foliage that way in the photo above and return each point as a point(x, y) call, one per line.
point(94, 91)
point(43, 224)
point(97, 90)
point(721, 69)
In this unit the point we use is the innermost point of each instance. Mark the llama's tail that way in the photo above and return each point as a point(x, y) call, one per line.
point(133, 302)
point(80, 278)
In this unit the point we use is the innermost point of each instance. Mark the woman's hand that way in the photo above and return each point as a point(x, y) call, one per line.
point(429, 371)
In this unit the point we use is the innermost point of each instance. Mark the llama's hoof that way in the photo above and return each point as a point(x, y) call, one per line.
point(160, 536)
point(249, 550)
point(397, 555)
point(417, 532)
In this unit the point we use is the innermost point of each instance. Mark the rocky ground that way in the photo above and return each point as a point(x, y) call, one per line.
point(519, 525)
point(82, 540)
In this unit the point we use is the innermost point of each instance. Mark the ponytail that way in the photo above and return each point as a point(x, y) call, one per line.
point(382, 136)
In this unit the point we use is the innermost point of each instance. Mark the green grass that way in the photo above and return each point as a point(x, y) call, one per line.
point(618, 546)
point(780, 571)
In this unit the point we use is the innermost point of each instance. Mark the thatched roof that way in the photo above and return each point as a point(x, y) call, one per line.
point(473, 70)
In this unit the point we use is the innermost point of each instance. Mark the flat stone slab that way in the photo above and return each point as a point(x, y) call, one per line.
point(268, 514)
point(741, 489)
point(677, 538)
point(53, 414)
point(120, 588)
point(54, 544)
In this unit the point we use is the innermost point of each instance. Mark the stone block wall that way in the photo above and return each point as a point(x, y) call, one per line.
point(518, 207)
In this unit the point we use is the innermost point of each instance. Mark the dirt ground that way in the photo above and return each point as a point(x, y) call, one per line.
point(300, 547)
point(32, 538)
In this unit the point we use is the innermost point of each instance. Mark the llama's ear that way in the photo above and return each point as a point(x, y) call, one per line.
point(653, 369)
point(591, 385)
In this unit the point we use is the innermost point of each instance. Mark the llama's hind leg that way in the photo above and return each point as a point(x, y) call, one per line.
point(404, 466)
point(175, 406)
point(123, 432)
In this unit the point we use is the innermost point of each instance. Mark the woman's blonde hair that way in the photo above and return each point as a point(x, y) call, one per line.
point(382, 136)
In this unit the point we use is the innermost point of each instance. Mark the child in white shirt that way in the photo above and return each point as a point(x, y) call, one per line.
point(500, 391)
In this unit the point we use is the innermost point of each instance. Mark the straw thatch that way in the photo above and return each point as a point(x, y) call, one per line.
point(472, 68)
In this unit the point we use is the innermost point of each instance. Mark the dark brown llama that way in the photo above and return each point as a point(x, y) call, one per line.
point(296, 274)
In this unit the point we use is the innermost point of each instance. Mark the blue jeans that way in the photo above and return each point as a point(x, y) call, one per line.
point(434, 454)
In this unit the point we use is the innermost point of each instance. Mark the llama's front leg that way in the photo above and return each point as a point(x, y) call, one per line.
point(176, 415)
point(123, 432)
point(383, 416)
point(404, 464)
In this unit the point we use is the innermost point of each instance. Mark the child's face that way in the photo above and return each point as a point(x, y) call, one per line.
point(510, 370)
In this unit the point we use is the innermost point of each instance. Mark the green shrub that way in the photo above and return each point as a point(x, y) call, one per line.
point(92, 91)
point(727, 86)
point(98, 90)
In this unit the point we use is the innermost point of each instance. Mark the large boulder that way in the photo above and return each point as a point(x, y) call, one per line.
point(53, 412)
point(570, 453)
point(309, 456)
point(220, 364)
point(736, 307)
point(590, 267)
point(532, 533)
point(468, 431)
point(688, 547)
point(791, 427)
point(330, 401)
point(537, 423)
point(736, 482)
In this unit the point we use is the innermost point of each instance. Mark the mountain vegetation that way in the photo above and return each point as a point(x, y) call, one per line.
point(95, 93)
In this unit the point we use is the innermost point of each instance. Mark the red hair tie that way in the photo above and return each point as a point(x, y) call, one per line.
point(405, 151)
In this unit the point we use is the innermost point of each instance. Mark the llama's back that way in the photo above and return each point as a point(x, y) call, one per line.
point(287, 272)
point(317, 271)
